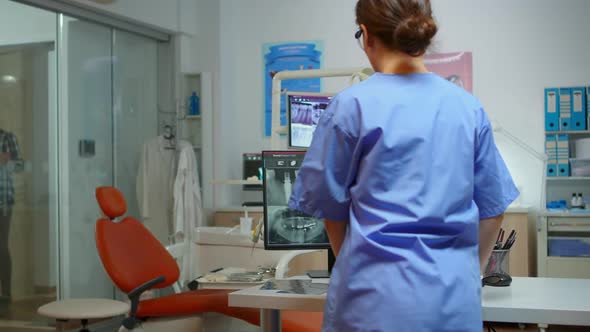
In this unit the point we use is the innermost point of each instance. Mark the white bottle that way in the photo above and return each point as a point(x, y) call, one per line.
point(581, 203)
point(574, 201)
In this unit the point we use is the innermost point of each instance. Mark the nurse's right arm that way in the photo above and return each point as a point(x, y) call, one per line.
point(494, 189)
point(488, 234)
point(322, 186)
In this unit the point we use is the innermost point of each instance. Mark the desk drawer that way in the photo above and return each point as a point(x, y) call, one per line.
point(568, 246)
point(568, 225)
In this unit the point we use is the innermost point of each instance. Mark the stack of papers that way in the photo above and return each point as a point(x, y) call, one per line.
point(306, 287)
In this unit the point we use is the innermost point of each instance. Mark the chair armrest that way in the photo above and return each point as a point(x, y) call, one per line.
point(283, 264)
point(139, 290)
point(129, 322)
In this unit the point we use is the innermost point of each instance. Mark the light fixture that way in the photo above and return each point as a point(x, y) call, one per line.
point(8, 79)
point(543, 157)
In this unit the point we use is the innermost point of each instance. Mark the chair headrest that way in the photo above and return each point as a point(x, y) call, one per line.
point(111, 202)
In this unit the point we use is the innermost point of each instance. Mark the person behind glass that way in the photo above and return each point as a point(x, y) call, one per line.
point(404, 169)
point(9, 154)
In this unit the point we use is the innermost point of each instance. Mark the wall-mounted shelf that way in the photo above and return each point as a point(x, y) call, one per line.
point(565, 214)
point(282, 130)
point(193, 117)
point(568, 178)
point(239, 209)
point(237, 182)
point(570, 132)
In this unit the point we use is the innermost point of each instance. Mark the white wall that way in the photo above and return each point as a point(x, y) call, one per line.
point(22, 24)
point(179, 17)
point(518, 49)
point(156, 13)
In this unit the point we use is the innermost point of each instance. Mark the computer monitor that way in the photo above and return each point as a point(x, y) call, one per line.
point(303, 111)
point(252, 168)
point(286, 229)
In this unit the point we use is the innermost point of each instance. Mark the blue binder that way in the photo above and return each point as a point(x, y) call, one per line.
point(579, 109)
point(551, 151)
point(563, 155)
point(565, 109)
point(552, 109)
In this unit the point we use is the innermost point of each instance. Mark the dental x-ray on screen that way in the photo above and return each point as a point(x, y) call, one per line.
point(286, 228)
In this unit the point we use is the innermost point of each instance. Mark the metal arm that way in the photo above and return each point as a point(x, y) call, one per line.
point(130, 322)
point(360, 73)
point(497, 128)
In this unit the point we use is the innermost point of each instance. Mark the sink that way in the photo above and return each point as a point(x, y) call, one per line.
point(226, 236)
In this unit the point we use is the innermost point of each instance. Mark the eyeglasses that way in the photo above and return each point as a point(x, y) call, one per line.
point(358, 36)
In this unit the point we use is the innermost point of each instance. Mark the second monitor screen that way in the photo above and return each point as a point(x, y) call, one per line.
point(304, 114)
point(284, 227)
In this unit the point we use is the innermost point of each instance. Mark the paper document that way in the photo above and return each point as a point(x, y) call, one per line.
point(306, 287)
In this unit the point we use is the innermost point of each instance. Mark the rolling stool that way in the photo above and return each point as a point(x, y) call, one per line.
point(83, 310)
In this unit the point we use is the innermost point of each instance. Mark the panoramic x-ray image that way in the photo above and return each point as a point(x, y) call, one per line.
point(286, 226)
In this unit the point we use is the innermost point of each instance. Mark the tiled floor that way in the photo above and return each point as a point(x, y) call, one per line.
point(531, 328)
point(22, 317)
point(23, 313)
point(24, 310)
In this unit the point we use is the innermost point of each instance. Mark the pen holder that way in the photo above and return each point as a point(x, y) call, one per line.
point(496, 273)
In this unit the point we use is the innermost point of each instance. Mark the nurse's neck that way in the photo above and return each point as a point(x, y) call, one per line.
point(386, 61)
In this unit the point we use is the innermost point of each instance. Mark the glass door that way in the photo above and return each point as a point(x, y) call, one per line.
point(108, 111)
point(28, 191)
point(77, 102)
point(86, 139)
point(135, 62)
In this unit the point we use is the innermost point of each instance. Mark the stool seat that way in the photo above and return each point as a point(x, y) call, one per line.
point(82, 309)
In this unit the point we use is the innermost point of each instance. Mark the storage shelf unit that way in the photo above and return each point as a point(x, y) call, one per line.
point(563, 224)
point(198, 129)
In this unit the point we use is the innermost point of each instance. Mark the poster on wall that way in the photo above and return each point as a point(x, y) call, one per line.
point(456, 67)
point(279, 57)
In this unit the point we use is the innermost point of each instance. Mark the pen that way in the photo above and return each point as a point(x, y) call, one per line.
point(510, 240)
point(499, 240)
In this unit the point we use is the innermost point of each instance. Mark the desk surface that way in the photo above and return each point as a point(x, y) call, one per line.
point(254, 297)
point(539, 301)
point(527, 300)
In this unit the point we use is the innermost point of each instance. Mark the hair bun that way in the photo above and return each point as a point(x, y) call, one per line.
point(414, 34)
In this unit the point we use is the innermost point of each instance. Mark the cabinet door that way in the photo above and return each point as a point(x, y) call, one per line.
point(521, 255)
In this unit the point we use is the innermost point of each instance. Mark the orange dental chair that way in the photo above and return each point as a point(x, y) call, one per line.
point(137, 262)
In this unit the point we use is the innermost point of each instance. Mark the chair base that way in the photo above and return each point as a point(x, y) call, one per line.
point(180, 324)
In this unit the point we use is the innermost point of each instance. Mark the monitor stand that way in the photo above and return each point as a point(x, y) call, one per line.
point(323, 274)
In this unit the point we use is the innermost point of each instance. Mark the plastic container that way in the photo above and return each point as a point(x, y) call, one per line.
point(582, 148)
point(580, 167)
point(245, 225)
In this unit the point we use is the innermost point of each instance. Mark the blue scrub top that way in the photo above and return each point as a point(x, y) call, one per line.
point(409, 161)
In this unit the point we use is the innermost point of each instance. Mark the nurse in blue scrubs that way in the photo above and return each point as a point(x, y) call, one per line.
point(404, 169)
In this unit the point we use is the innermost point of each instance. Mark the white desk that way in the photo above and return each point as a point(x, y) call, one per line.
point(545, 301)
point(527, 300)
